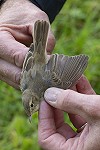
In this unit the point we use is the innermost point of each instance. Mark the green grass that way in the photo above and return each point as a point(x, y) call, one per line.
point(77, 30)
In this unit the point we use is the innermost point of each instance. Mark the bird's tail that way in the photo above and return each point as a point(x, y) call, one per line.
point(40, 34)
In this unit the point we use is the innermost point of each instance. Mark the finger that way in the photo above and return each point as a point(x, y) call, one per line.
point(16, 86)
point(46, 121)
point(24, 34)
point(19, 32)
point(48, 137)
point(50, 42)
point(83, 86)
point(11, 50)
point(61, 127)
point(9, 72)
point(73, 102)
point(76, 120)
point(58, 117)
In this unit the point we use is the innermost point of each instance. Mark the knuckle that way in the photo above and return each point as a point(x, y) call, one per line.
point(42, 142)
point(18, 58)
point(17, 77)
point(66, 99)
point(93, 109)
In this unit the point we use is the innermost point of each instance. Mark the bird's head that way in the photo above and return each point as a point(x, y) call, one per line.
point(30, 102)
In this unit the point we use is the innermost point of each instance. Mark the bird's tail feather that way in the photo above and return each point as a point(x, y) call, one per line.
point(40, 35)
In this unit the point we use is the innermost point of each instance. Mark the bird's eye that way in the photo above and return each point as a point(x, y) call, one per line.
point(32, 105)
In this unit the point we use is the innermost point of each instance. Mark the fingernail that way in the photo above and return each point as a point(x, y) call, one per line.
point(51, 94)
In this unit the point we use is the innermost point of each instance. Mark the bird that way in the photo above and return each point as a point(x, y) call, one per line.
point(40, 71)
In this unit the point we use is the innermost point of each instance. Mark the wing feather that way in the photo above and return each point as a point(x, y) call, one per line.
point(64, 71)
point(27, 58)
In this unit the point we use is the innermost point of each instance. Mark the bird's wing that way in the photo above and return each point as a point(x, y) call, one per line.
point(36, 53)
point(63, 71)
point(28, 59)
point(25, 69)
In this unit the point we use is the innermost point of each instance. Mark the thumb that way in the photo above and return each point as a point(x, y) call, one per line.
point(62, 99)
point(71, 101)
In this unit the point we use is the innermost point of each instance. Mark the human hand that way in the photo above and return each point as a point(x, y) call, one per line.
point(55, 134)
point(16, 22)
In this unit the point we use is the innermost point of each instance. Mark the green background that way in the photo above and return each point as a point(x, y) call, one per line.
point(77, 30)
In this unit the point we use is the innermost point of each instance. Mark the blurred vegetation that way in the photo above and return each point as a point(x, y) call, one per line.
point(77, 30)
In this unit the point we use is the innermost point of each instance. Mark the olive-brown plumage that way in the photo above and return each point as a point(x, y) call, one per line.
point(41, 72)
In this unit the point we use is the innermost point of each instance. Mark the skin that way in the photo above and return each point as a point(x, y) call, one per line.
point(54, 133)
point(15, 38)
point(16, 23)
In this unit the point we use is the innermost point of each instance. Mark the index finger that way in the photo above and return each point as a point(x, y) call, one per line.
point(11, 50)
point(83, 86)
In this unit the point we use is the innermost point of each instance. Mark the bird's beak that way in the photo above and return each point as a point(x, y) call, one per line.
point(30, 119)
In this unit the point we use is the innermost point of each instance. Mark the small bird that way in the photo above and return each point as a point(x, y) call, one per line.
point(41, 71)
